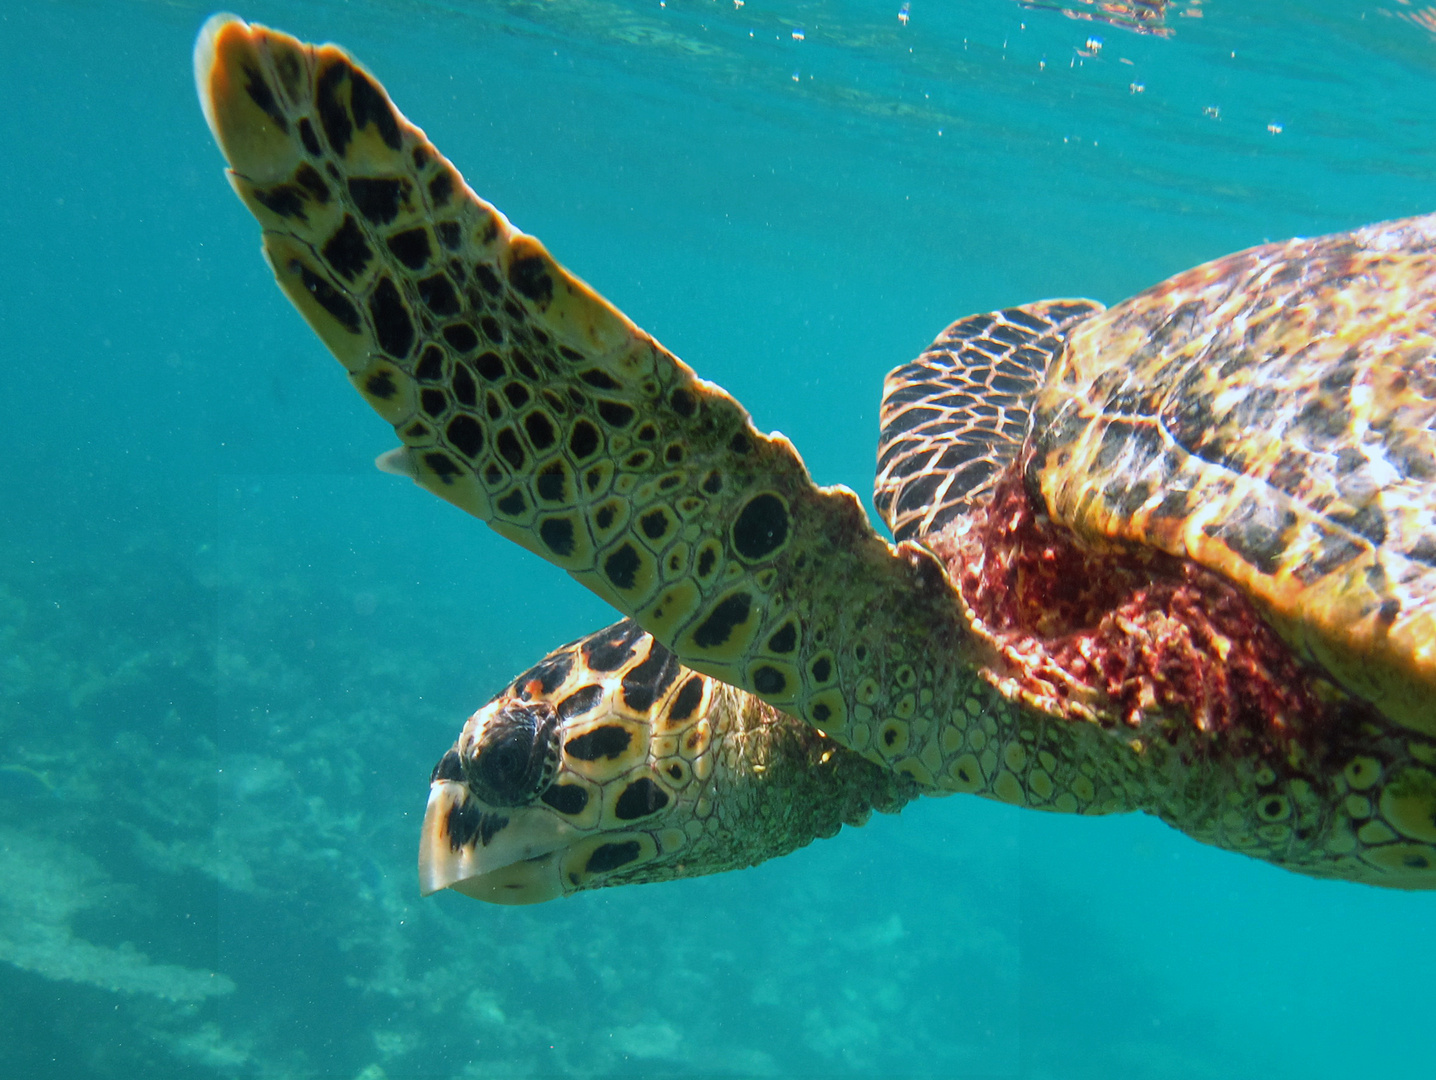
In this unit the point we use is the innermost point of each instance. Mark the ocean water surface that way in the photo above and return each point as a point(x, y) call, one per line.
point(231, 650)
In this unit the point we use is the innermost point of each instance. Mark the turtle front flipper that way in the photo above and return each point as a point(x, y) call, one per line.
point(523, 397)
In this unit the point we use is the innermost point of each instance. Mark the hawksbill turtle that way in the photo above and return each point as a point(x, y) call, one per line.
point(1176, 556)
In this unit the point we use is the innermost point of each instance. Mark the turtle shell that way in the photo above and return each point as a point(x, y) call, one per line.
point(1272, 416)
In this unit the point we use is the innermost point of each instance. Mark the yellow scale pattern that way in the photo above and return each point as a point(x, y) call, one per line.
point(527, 400)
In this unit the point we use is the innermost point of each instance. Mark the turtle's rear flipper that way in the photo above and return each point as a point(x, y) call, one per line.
point(528, 400)
point(955, 417)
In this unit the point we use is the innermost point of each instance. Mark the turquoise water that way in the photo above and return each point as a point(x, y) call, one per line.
point(230, 650)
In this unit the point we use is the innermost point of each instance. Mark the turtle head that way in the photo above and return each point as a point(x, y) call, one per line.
point(610, 763)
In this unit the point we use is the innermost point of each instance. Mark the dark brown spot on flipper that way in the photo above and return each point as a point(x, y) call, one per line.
point(621, 567)
point(449, 234)
point(683, 402)
point(761, 528)
point(443, 466)
point(507, 444)
point(599, 379)
point(490, 365)
point(529, 275)
point(393, 328)
point(785, 640)
point(733, 611)
point(461, 337)
point(583, 440)
point(377, 198)
point(706, 558)
point(307, 177)
point(441, 190)
point(656, 523)
point(486, 278)
point(615, 413)
point(329, 298)
point(430, 367)
point(465, 435)
point(307, 136)
point(333, 117)
point(260, 93)
point(769, 680)
point(557, 535)
point(286, 200)
point(539, 430)
point(347, 252)
point(411, 248)
point(463, 386)
point(552, 483)
point(371, 106)
point(381, 385)
point(438, 295)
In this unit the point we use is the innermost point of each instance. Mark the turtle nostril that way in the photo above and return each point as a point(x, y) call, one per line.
point(513, 759)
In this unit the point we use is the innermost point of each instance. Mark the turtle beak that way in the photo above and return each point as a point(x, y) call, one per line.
point(505, 855)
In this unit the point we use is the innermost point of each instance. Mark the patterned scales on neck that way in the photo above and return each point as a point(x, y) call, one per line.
point(1174, 556)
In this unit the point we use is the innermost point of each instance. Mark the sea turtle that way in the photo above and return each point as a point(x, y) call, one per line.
point(1177, 556)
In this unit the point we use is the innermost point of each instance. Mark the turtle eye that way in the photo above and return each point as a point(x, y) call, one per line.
point(513, 759)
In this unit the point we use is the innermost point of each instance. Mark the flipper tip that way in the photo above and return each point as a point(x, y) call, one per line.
point(204, 58)
point(396, 462)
